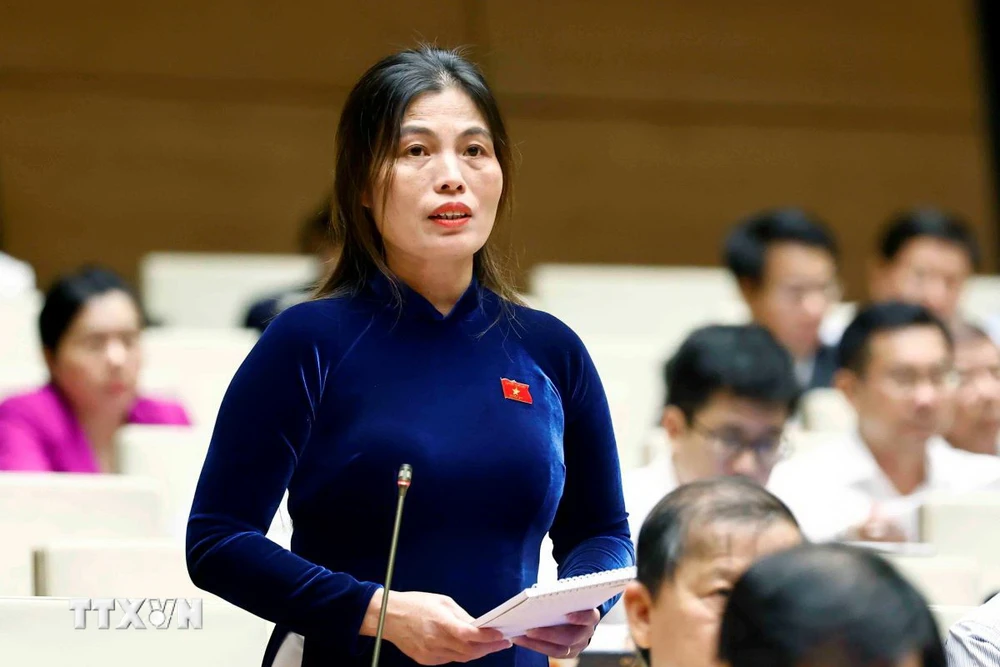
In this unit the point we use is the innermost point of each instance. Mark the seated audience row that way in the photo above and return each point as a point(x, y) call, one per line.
point(90, 327)
point(785, 262)
point(725, 579)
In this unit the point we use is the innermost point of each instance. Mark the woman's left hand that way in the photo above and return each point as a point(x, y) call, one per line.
point(562, 641)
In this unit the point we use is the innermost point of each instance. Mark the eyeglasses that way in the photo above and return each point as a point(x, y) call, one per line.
point(797, 294)
point(907, 380)
point(730, 446)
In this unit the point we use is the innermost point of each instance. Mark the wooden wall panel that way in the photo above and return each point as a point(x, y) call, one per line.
point(662, 194)
point(645, 128)
point(110, 178)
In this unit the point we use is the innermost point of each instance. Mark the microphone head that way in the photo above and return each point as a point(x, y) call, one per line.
point(405, 475)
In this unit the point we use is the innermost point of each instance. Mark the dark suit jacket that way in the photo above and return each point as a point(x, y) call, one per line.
point(824, 366)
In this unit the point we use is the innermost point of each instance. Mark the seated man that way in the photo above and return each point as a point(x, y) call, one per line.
point(896, 369)
point(319, 237)
point(975, 425)
point(975, 640)
point(786, 265)
point(692, 548)
point(730, 390)
point(925, 257)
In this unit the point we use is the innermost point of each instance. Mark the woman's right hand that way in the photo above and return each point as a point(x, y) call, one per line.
point(431, 629)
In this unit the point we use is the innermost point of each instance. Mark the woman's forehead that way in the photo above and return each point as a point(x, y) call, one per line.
point(448, 106)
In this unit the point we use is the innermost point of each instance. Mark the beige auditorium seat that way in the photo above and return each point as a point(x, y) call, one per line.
point(215, 290)
point(40, 632)
point(173, 456)
point(37, 507)
point(113, 568)
point(20, 344)
point(981, 297)
point(943, 580)
point(194, 365)
point(827, 410)
point(631, 371)
point(663, 302)
point(966, 525)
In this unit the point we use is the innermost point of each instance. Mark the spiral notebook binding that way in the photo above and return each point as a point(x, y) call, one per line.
point(606, 578)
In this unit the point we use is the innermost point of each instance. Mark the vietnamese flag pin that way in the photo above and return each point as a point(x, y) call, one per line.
point(515, 391)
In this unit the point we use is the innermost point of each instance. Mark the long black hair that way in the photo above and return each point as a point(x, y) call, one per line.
point(832, 605)
point(367, 139)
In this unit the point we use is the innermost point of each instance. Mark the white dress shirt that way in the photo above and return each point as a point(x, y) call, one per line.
point(975, 640)
point(839, 485)
point(644, 487)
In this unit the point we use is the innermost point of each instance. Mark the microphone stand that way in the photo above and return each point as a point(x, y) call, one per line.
point(403, 480)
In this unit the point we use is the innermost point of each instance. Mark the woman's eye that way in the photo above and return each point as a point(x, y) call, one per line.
point(475, 151)
point(416, 151)
point(722, 593)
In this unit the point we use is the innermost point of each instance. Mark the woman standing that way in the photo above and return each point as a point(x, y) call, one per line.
point(418, 353)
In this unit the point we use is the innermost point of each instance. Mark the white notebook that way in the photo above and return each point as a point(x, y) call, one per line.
point(548, 604)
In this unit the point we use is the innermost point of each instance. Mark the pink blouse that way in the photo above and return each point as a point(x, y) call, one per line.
point(40, 433)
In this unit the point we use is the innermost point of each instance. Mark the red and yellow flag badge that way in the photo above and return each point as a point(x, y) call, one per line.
point(515, 391)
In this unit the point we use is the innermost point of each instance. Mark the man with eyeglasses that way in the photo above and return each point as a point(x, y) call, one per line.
point(730, 390)
point(785, 262)
point(896, 369)
point(975, 422)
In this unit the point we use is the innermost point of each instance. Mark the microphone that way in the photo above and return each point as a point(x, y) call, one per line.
point(403, 479)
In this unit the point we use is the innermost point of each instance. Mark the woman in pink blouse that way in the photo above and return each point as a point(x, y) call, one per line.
point(90, 327)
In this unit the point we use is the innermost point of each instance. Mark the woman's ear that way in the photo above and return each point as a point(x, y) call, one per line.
point(50, 359)
point(638, 607)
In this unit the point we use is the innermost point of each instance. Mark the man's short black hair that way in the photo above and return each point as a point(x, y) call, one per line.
point(671, 531)
point(927, 223)
point(826, 604)
point(854, 350)
point(747, 244)
point(744, 360)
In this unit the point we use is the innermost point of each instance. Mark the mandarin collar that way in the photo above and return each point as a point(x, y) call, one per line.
point(416, 305)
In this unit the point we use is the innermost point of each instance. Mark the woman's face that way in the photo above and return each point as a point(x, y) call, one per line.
point(96, 364)
point(444, 185)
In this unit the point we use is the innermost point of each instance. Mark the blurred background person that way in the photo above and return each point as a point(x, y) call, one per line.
point(975, 423)
point(318, 237)
point(827, 606)
point(785, 262)
point(90, 328)
point(896, 369)
point(692, 548)
point(925, 256)
point(730, 389)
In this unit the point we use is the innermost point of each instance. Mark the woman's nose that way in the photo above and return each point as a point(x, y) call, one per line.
point(117, 354)
point(450, 180)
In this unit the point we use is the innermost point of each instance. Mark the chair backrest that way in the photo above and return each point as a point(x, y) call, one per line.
point(40, 631)
point(113, 568)
point(827, 410)
point(19, 337)
point(173, 457)
point(215, 290)
point(943, 580)
point(194, 365)
point(966, 525)
point(37, 507)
